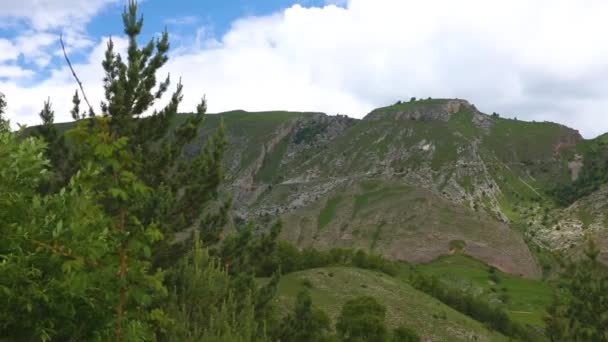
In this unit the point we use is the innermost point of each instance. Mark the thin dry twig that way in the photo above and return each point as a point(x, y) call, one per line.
point(84, 95)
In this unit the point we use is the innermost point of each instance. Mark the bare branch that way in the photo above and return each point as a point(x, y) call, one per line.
point(84, 95)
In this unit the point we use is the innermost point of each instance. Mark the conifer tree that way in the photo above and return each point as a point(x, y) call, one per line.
point(4, 123)
point(579, 311)
point(305, 323)
point(47, 114)
point(202, 304)
point(76, 107)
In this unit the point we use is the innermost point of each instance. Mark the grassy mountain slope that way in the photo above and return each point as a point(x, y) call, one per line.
point(441, 171)
point(525, 300)
point(432, 320)
point(406, 223)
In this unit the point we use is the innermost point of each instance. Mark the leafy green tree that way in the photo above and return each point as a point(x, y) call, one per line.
point(88, 247)
point(306, 323)
point(287, 257)
point(362, 319)
point(579, 311)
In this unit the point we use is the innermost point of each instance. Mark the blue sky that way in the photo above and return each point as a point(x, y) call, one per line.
point(182, 19)
point(516, 58)
point(185, 15)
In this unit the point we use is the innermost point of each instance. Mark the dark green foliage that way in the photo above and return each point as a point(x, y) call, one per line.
point(403, 334)
point(4, 123)
point(57, 151)
point(76, 115)
point(593, 174)
point(362, 319)
point(289, 259)
point(246, 256)
point(494, 317)
point(203, 304)
point(579, 311)
point(88, 239)
point(47, 114)
point(305, 324)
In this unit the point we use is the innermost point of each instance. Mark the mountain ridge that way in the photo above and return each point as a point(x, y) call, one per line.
point(414, 179)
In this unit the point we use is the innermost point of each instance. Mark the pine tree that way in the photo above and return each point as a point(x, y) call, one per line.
point(4, 123)
point(579, 311)
point(47, 130)
point(184, 185)
point(76, 107)
point(57, 151)
point(47, 114)
point(305, 323)
point(201, 303)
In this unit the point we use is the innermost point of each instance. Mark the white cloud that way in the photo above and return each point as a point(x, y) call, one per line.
point(48, 14)
point(8, 50)
point(14, 72)
point(542, 60)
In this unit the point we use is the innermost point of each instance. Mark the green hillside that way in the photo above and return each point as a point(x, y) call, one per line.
point(406, 223)
point(432, 320)
point(419, 173)
point(524, 300)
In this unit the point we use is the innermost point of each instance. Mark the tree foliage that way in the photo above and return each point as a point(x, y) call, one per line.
point(362, 319)
point(4, 123)
point(492, 316)
point(79, 265)
point(306, 323)
point(579, 311)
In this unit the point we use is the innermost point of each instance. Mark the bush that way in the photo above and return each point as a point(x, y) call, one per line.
point(362, 319)
point(403, 334)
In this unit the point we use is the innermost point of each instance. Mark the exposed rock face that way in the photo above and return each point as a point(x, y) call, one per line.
point(575, 166)
point(586, 217)
point(568, 139)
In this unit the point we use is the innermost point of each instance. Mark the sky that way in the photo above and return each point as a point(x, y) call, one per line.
point(544, 60)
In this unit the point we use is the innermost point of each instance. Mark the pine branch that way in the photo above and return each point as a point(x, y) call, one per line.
point(61, 250)
point(84, 95)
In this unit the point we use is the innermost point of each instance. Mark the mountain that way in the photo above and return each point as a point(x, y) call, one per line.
point(417, 180)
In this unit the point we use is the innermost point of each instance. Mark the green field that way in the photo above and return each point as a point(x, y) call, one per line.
point(332, 286)
point(527, 298)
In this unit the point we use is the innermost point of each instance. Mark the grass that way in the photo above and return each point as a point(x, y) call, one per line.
point(362, 200)
point(272, 161)
point(331, 287)
point(417, 225)
point(463, 122)
point(585, 217)
point(327, 214)
point(529, 147)
point(411, 104)
point(527, 298)
point(248, 131)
